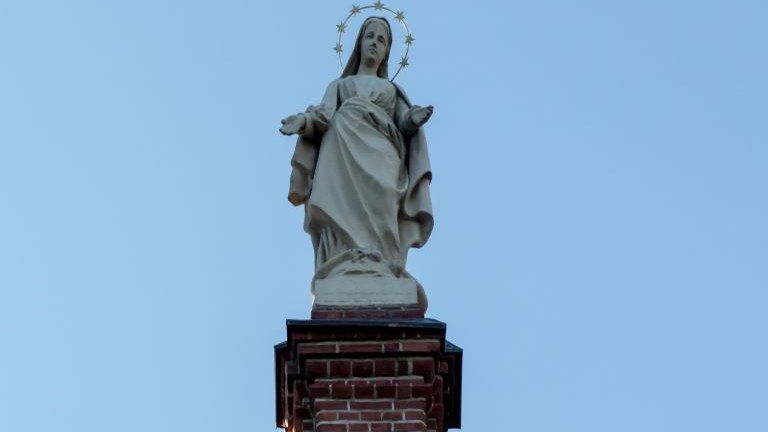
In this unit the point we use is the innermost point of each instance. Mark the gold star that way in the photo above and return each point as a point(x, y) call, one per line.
point(355, 10)
point(378, 5)
point(404, 62)
point(409, 39)
point(341, 27)
point(400, 16)
point(338, 48)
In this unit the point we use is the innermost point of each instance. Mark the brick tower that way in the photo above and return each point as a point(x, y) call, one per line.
point(367, 371)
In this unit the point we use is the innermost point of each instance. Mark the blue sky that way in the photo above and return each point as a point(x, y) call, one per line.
point(600, 173)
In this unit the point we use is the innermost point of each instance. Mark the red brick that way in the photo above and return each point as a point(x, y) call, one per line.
point(411, 426)
point(331, 427)
point(418, 403)
point(316, 348)
point(370, 416)
point(403, 367)
point(360, 348)
point(444, 369)
point(326, 416)
point(321, 405)
point(407, 313)
point(427, 345)
point(340, 368)
point(404, 390)
point(381, 427)
point(359, 427)
point(392, 415)
point(385, 367)
point(385, 390)
point(321, 390)
point(341, 391)
point(374, 404)
point(415, 415)
point(365, 313)
point(327, 314)
point(301, 336)
point(391, 347)
point(424, 367)
point(349, 415)
point(363, 368)
point(422, 390)
point(363, 391)
point(316, 368)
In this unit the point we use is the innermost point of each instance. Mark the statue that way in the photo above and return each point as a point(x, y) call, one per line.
point(362, 171)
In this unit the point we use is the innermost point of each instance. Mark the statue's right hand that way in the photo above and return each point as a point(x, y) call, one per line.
point(293, 124)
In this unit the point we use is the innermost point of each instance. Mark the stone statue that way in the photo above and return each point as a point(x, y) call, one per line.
point(362, 171)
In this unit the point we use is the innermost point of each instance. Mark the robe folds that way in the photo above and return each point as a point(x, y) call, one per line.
point(362, 171)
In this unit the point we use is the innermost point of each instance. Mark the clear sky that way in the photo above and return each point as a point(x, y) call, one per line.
point(600, 193)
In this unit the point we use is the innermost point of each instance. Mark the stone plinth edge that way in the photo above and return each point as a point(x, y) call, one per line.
point(378, 313)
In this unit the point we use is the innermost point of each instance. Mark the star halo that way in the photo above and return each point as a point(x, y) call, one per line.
point(399, 16)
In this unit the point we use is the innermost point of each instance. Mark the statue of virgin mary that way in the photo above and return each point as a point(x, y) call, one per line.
point(362, 171)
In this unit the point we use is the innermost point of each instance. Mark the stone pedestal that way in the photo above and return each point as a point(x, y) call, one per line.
point(360, 284)
point(372, 375)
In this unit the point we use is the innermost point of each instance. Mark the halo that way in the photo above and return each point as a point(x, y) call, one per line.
point(379, 6)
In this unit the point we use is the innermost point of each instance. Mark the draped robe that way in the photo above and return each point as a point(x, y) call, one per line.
point(362, 171)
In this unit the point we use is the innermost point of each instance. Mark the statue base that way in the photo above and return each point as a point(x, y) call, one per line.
point(371, 312)
point(360, 284)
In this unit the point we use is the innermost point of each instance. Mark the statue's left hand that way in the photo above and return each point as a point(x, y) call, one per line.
point(420, 115)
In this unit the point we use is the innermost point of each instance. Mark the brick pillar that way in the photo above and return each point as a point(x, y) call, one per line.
point(394, 375)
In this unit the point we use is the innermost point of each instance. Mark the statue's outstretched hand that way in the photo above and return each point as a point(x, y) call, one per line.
point(420, 115)
point(293, 124)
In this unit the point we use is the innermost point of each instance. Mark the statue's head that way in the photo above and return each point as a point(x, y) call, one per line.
point(373, 43)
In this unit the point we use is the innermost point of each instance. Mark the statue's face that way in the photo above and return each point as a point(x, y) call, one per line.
point(374, 45)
